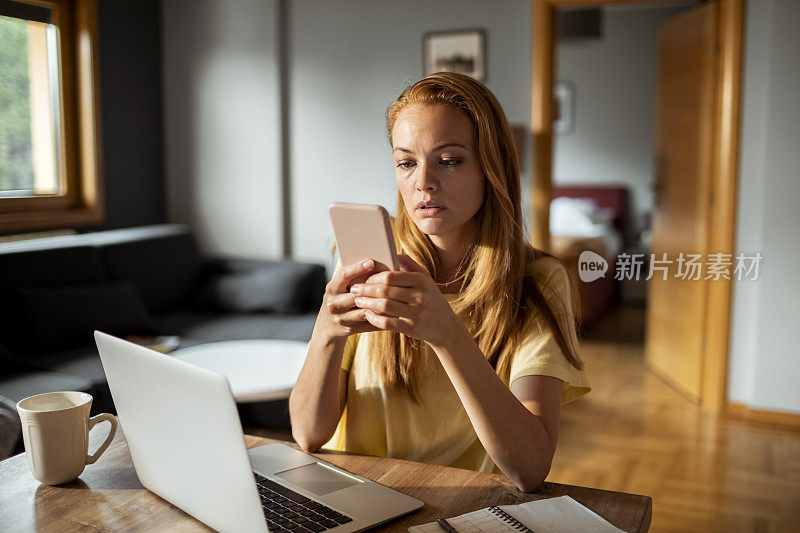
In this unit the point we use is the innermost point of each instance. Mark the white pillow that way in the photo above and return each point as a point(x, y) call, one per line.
point(573, 217)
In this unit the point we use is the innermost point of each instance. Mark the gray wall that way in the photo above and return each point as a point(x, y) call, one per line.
point(131, 127)
point(615, 89)
point(221, 121)
point(348, 60)
point(765, 358)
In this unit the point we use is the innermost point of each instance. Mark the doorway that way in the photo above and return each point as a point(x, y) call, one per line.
point(715, 35)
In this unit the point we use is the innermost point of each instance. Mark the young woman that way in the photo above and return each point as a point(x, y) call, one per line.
point(464, 357)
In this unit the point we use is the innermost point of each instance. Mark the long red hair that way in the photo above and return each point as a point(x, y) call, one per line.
point(497, 290)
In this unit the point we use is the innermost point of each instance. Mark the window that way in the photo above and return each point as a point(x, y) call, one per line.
point(29, 106)
point(49, 172)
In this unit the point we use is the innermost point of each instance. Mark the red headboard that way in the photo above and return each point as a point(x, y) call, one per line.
point(613, 197)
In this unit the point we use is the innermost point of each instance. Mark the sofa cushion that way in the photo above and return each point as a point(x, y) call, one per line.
point(60, 266)
point(84, 362)
point(9, 362)
point(246, 285)
point(199, 328)
point(20, 385)
point(65, 317)
point(166, 269)
point(49, 267)
point(10, 427)
point(277, 288)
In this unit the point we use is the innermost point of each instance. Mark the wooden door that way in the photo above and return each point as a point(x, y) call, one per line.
point(685, 104)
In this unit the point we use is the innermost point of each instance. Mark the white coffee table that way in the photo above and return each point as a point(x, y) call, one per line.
point(257, 370)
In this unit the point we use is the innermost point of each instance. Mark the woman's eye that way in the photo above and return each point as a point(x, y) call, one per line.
point(405, 164)
point(450, 162)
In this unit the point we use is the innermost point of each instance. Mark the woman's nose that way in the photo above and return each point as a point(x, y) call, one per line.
point(425, 178)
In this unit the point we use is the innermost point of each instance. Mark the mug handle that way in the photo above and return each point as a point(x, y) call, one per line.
point(103, 417)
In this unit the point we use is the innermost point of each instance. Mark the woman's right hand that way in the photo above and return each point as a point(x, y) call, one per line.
point(339, 315)
point(320, 394)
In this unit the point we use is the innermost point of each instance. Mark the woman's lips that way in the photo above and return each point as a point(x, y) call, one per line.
point(430, 211)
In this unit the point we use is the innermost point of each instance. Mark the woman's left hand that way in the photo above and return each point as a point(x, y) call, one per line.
point(407, 301)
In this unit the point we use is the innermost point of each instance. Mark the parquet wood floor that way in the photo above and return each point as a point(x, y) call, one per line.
point(634, 433)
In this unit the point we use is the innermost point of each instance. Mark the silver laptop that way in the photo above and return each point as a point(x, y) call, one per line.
point(185, 439)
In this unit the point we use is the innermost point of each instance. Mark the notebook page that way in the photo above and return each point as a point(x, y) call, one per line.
point(559, 515)
point(481, 521)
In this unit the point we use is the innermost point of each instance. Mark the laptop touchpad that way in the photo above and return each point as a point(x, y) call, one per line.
point(318, 478)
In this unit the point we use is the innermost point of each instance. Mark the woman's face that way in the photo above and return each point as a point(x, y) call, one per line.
point(436, 161)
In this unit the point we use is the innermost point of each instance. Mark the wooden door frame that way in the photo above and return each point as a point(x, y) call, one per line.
point(725, 166)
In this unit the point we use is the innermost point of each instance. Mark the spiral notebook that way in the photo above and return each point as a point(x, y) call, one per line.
point(552, 515)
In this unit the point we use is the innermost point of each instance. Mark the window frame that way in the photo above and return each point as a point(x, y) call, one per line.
point(81, 204)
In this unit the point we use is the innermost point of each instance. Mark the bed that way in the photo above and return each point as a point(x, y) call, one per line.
point(594, 218)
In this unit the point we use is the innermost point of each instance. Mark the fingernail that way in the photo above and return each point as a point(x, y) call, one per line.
point(355, 289)
point(359, 301)
point(367, 264)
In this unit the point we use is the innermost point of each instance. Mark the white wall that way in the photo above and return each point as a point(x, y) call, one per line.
point(220, 80)
point(765, 357)
point(615, 90)
point(349, 60)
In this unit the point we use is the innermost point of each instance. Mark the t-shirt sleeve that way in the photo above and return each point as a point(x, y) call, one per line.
point(350, 346)
point(539, 353)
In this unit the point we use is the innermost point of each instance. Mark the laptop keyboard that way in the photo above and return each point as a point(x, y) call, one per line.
point(286, 510)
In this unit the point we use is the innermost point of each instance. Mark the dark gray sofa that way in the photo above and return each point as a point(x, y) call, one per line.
point(150, 280)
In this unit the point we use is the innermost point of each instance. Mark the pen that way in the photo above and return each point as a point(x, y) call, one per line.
point(444, 524)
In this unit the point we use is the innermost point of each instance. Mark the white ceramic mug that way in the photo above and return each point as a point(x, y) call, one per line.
point(55, 430)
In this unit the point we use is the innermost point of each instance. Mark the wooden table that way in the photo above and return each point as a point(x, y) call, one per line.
point(108, 495)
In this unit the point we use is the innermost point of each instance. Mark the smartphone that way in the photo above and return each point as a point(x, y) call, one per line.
point(363, 232)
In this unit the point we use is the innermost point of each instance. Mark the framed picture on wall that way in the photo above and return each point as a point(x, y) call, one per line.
point(455, 51)
point(564, 108)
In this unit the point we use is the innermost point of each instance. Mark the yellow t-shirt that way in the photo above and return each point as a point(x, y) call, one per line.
point(378, 421)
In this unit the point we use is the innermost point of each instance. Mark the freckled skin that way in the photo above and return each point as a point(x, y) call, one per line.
point(451, 175)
